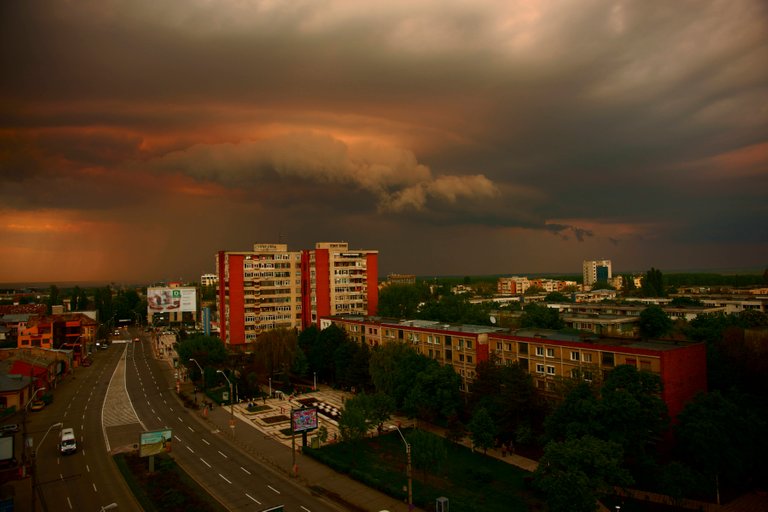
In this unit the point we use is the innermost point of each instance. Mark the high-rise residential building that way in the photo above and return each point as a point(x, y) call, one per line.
point(338, 281)
point(596, 270)
point(258, 290)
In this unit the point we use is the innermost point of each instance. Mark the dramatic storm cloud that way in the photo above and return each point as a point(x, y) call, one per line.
point(462, 137)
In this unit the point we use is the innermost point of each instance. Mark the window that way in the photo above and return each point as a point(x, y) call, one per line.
point(469, 344)
point(540, 351)
point(587, 358)
point(645, 365)
point(498, 345)
point(574, 355)
point(539, 368)
point(508, 346)
point(461, 357)
point(550, 370)
point(469, 359)
point(575, 373)
point(631, 361)
point(550, 352)
point(608, 358)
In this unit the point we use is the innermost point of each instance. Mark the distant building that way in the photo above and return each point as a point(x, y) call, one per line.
point(514, 285)
point(401, 279)
point(596, 270)
point(209, 280)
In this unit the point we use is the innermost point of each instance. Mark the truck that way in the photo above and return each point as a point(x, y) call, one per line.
point(67, 441)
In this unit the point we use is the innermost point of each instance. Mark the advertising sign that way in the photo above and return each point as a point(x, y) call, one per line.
point(6, 448)
point(171, 300)
point(303, 420)
point(155, 443)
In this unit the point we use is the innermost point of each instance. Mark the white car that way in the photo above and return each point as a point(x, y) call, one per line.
point(67, 441)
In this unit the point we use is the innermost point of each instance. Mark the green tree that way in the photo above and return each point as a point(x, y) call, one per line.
point(482, 430)
point(541, 316)
point(654, 322)
point(400, 300)
point(556, 297)
point(353, 423)
point(53, 298)
point(602, 285)
point(208, 351)
point(435, 394)
point(534, 290)
point(428, 451)
point(653, 283)
point(276, 348)
point(393, 369)
point(576, 473)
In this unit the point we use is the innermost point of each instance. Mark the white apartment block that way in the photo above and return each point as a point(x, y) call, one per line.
point(596, 270)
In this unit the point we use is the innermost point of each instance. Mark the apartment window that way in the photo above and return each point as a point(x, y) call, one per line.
point(574, 355)
point(631, 361)
point(575, 373)
point(540, 351)
point(550, 370)
point(523, 347)
point(587, 358)
point(469, 344)
point(448, 355)
point(645, 365)
point(498, 345)
point(550, 352)
point(461, 357)
point(469, 359)
point(608, 358)
point(588, 376)
point(539, 368)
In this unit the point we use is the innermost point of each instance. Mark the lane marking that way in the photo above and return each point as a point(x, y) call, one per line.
point(190, 449)
point(69, 503)
point(305, 508)
point(94, 488)
point(223, 455)
point(190, 428)
point(206, 442)
point(223, 478)
point(202, 459)
point(247, 472)
point(273, 489)
point(254, 499)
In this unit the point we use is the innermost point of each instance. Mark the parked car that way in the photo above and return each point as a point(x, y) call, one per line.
point(37, 405)
point(9, 429)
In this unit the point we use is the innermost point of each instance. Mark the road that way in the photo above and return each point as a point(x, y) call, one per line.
point(234, 478)
point(87, 479)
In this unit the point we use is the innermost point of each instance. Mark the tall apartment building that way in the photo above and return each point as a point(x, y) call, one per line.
point(258, 290)
point(338, 281)
point(209, 280)
point(596, 270)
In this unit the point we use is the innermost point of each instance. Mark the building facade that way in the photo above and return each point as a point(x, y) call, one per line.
point(338, 281)
point(596, 270)
point(258, 290)
point(548, 357)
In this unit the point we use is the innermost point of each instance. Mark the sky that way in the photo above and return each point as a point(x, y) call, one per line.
point(137, 138)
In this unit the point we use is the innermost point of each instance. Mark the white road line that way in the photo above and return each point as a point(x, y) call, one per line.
point(223, 478)
point(181, 420)
point(88, 468)
point(190, 449)
point(202, 459)
point(69, 503)
point(305, 508)
point(190, 428)
point(254, 499)
point(248, 472)
point(94, 488)
point(223, 455)
point(273, 489)
point(206, 442)
point(158, 419)
point(177, 438)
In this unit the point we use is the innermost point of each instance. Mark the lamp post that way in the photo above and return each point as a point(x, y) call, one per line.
point(202, 375)
point(314, 387)
point(34, 458)
point(231, 400)
point(408, 467)
point(270, 387)
point(24, 422)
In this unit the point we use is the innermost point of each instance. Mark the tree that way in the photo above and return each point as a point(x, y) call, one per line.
point(53, 297)
point(482, 430)
point(400, 300)
point(534, 290)
point(208, 351)
point(393, 369)
point(602, 285)
point(654, 322)
point(575, 473)
point(543, 317)
point(428, 451)
point(276, 348)
point(353, 423)
point(653, 283)
point(435, 394)
point(556, 297)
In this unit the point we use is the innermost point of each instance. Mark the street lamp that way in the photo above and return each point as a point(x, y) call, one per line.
point(34, 458)
point(202, 376)
point(231, 399)
point(314, 387)
point(24, 421)
point(408, 467)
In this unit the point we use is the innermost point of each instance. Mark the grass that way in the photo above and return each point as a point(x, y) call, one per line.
point(168, 489)
point(471, 481)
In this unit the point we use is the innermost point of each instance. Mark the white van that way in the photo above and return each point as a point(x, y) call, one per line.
point(67, 442)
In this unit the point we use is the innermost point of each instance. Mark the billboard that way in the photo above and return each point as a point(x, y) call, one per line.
point(303, 420)
point(155, 443)
point(6, 448)
point(171, 300)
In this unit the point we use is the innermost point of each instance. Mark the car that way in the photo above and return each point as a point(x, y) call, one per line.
point(67, 441)
point(37, 405)
point(9, 429)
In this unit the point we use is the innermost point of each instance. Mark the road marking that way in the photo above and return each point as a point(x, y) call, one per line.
point(305, 508)
point(171, 408)
point(181, 420)
point(190, 449)
point(254, 499)
point(206, 442)
point(94, 488)
point(202, 459)
point(177, 438)
point(273, 489)
point(222, 454)
point(158, 419)
point(190, 428)
point(88, 468)
point(69, 503)
point(223, 478)
point(153, 411)
point(248, 472)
